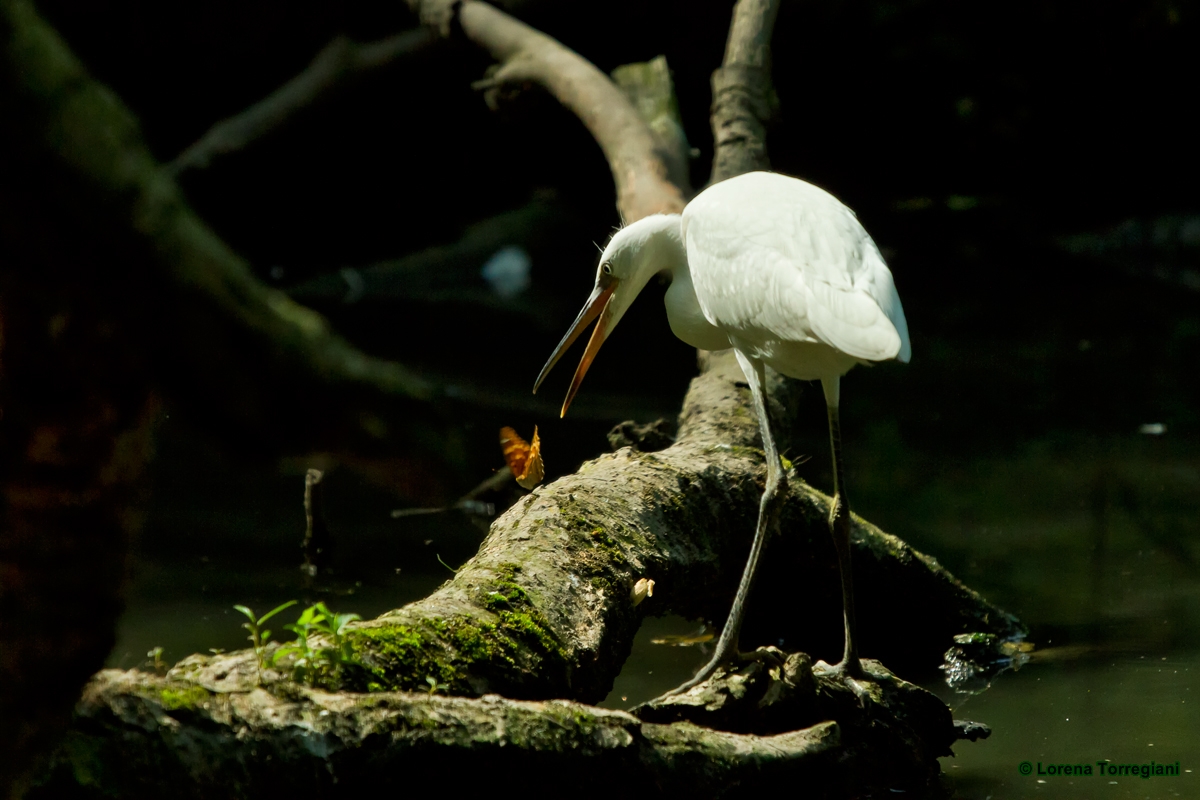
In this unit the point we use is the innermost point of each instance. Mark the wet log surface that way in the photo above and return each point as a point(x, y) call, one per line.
point(544, 611)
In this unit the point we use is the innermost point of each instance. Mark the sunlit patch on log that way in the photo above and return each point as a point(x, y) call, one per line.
point(641, 590)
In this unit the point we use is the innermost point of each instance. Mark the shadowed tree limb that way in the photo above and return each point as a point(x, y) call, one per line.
point(649, 88)
point(339, 62)
point(451, 273)
point(233, 352)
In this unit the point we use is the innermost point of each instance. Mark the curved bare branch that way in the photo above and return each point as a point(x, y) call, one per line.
point(338, 63)
point(526, 55)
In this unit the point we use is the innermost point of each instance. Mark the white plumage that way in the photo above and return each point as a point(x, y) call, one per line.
point(777, 262)
point(784, 273)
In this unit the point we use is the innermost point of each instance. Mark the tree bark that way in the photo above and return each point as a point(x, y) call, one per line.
point(138, 736)
point(743, 97)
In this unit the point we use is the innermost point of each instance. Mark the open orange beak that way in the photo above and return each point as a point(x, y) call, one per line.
point(596, 306)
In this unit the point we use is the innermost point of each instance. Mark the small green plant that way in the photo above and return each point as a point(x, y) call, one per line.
point(324, 662)
point(154, 660)
point(259, 635)
point(434, 686)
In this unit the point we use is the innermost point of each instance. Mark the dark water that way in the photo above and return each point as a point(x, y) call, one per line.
point(1092, 541)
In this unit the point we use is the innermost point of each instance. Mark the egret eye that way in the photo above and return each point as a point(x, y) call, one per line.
point(606, 269)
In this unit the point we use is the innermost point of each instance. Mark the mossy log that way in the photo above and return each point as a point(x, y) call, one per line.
point(544, 611)
point(137, 736)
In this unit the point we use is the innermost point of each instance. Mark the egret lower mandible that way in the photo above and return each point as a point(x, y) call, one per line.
point(783, 273)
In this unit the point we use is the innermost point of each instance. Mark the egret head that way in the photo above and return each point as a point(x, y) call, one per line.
point(634, 255)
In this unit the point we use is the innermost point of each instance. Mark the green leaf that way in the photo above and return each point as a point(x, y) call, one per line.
point(309, 616)
point(247, 612)
point(275, 611)
point(284, 652)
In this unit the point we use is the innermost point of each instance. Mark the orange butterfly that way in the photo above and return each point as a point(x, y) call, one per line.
point(524, 459)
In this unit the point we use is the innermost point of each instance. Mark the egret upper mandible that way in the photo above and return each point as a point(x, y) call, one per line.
point(784, 273)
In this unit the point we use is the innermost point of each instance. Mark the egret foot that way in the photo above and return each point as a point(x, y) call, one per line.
point(853, 676)
point(766, 691)
point(718, 668)
point(718, 663)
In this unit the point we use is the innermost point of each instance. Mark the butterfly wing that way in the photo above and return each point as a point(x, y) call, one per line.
point(516, 450)
point(523, 458)
point(534, 470)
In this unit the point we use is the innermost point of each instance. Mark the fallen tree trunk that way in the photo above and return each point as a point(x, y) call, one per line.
point(544, 611)
point(127, 743)
point(142, 736)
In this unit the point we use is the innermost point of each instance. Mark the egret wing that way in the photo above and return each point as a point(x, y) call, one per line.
point(775, 258)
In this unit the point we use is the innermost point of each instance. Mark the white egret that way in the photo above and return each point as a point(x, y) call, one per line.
point(784, 273)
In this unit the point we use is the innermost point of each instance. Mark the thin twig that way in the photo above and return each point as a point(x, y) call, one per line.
point(468, 503)
point(339, 63)
point(317, 540)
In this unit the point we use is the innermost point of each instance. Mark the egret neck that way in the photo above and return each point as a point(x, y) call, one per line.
point(651, 246)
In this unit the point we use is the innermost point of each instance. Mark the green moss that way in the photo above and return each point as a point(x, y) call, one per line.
point(741, 451)
point(451, 649)
point(504, 592)
point(186, 697)
point(532, 626)
point(518, 614)
point(399, 657)
point(555, 728)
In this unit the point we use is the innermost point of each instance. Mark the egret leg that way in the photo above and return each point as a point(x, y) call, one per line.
point(839, 528)
point(768, 514)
